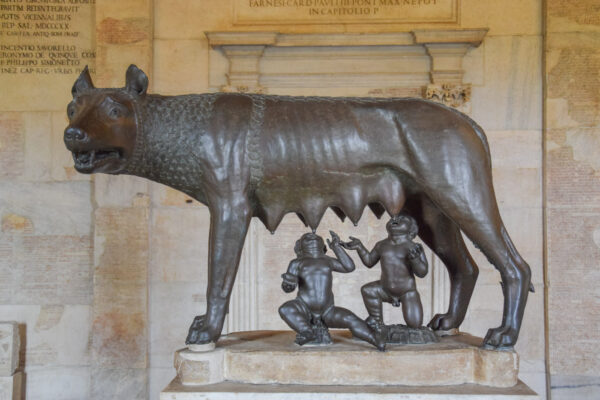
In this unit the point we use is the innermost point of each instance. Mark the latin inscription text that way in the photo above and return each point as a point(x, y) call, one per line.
point(345, 11)
point(44, 36)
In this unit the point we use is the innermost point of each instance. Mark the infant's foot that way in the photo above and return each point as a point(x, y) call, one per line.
point(305, 337)
point(380, 340)
point(375, 323)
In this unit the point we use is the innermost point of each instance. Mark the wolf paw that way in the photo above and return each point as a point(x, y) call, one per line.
point(443, 322)
point(200, 333)
point(501, 338)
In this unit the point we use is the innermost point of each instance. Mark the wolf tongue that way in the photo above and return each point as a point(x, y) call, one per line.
point(83, 157)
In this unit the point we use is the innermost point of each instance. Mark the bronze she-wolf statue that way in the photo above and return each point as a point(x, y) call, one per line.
point(252, 155)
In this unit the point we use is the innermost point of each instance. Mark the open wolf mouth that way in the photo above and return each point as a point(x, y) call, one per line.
point(87, 160)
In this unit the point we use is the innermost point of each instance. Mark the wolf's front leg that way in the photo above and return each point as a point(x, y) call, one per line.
point(229, 222)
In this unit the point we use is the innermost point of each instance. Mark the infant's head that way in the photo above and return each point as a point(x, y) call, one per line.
point(402, 224)
point(309, 241)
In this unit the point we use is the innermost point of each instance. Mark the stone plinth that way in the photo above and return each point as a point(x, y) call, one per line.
point(245, 391)
point(271, 357)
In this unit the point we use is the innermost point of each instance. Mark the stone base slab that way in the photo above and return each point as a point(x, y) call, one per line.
point(272, 357)
point(245, 391)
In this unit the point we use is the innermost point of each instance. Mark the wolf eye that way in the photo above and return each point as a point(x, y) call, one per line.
point(114, 113)
point(70, 111)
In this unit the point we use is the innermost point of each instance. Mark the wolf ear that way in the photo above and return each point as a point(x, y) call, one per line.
point(83, 83)
point(136, 81)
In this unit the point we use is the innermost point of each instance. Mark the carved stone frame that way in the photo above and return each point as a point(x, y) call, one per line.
point(248, 53)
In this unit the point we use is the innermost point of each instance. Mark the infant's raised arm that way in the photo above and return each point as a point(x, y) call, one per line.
point(343, 263)
point(290, 278)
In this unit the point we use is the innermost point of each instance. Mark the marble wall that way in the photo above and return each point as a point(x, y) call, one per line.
point(46, 214)
point(94, 268)
point(572, 119)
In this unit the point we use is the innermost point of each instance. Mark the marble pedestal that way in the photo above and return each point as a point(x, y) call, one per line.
point(264, 362)
point(245, 391)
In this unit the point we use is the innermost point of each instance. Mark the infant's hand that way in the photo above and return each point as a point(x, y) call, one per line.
point(415, 252)
point(289, 282)
point(335, 240)
point(288, 287)
point(353, 244)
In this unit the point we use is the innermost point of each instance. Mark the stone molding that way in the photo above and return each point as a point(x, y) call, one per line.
point(245, 391)
point(259, 61)
point(473, 37)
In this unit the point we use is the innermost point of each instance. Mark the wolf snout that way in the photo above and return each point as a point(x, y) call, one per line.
point(74, 135)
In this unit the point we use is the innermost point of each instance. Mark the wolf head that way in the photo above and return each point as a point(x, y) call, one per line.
point(103, 126)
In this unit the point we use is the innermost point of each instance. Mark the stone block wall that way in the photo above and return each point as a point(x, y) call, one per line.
point(95, 269)
point(46, 227)
point(572, 145)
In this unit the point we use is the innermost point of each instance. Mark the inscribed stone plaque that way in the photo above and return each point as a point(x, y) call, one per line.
point(260, 12)
point(44, 44)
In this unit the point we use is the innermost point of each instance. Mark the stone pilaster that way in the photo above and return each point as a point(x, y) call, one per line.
point(447, 50)
point(244, 51)
point(119, 343)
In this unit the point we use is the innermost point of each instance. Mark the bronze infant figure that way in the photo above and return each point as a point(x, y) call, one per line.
point(254, 155)
point(313, 311)
point(401, 259)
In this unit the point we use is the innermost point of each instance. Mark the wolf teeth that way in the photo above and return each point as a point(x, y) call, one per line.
point(90, 157)
point(84, 157)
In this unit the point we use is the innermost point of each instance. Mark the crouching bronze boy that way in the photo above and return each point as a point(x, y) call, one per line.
point(313, 310)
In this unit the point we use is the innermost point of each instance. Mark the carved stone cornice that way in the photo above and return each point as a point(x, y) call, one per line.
point(473, 37)
point(427, 59)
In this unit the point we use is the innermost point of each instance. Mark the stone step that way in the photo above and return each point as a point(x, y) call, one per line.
point(245, 391)
point(272, 357)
